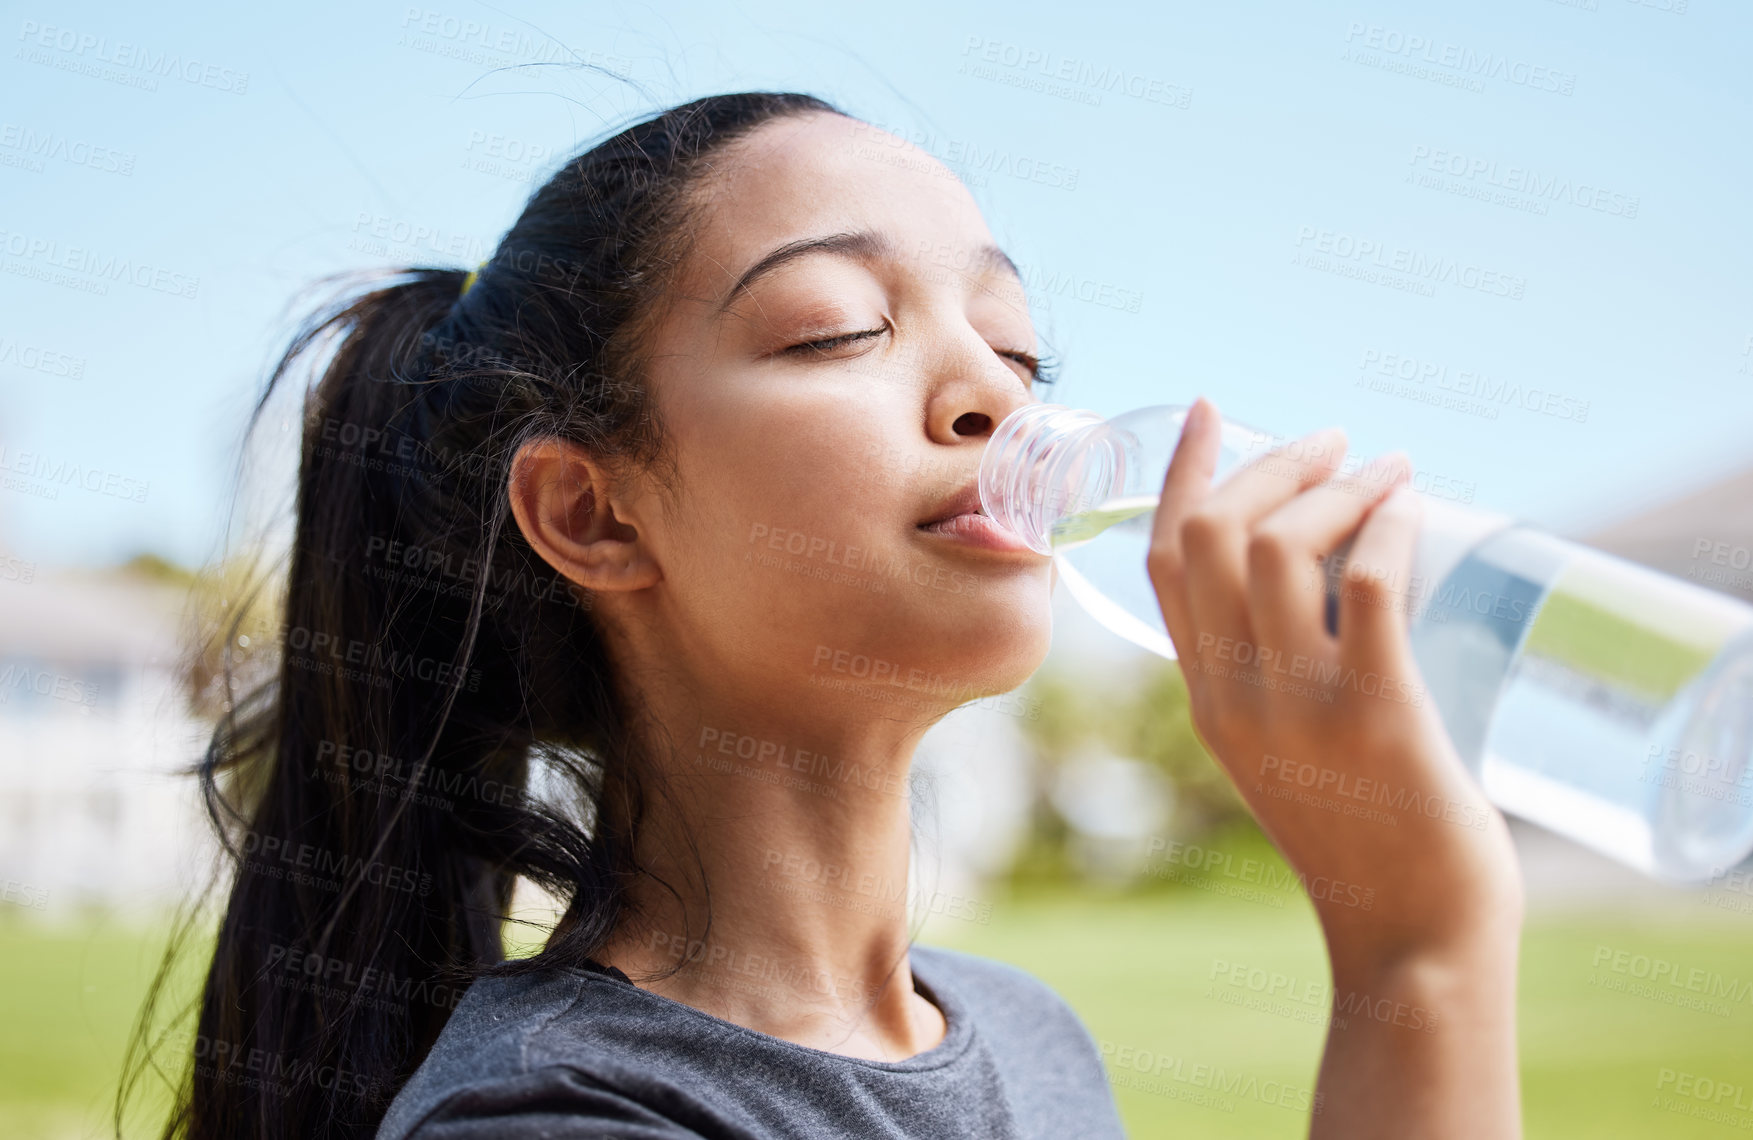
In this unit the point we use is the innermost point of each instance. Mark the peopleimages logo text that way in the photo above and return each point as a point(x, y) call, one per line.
point(101, 266)
point(1458, 58)
point(133, 57)
point(1414, 264)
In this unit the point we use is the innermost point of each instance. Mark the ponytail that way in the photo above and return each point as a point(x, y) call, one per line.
point(442, 718)
point(393, 812)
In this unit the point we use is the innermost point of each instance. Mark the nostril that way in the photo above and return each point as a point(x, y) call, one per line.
point(972, 423)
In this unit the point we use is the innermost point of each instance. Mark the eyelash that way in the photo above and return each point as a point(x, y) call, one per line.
point(834, 342)
point(1042, 370)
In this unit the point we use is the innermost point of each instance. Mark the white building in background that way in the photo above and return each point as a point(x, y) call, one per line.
point(972, 790)
point(94, 736)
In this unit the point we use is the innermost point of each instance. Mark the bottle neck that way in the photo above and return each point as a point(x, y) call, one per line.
point(1043, 463)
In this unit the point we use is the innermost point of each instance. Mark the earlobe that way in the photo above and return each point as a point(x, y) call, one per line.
point(563, 500)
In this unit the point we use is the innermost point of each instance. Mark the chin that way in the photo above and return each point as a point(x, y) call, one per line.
point(914, 642)
point(994, 638)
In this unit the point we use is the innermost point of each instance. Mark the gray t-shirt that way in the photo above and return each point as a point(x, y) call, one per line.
point(576, 1053)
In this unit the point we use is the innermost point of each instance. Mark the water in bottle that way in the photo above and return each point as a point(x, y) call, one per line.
point(1595, 697)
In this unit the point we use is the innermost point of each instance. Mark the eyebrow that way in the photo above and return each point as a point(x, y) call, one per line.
point(861, 246)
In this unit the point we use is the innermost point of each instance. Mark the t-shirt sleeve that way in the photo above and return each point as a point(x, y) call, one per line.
point(557, 1103)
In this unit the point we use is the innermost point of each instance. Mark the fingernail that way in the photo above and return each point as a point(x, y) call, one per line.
point(1195, 417)
point(1325, 440)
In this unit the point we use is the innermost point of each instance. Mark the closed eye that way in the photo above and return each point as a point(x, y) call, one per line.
point(831, 343)
point(1040, 371)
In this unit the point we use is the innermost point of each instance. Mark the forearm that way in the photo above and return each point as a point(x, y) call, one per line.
point(1424, 1046)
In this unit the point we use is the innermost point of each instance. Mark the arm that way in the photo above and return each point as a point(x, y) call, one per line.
point(1424, 1046)
point(1423, 939)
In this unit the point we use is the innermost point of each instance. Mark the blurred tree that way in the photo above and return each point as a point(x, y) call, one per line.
point(1158, 729)
point(234, 618)
point(1149, 722)
point(157, 568)
point(1062, 726)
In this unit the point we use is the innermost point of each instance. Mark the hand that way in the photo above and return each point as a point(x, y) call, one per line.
point(1300, 718)
point(1423, 899)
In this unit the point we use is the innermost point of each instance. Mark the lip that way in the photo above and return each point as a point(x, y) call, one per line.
point(963, 521)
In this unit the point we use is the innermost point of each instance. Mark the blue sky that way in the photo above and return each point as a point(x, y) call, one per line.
point(1532, 210)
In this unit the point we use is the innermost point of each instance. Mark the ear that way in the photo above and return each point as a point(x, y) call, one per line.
point(562, 498)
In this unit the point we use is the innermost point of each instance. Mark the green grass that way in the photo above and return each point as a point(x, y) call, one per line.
point(66, 1011)
point(1138, 969)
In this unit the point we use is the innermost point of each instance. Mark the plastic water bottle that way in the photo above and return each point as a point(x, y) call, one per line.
point(1595, 697)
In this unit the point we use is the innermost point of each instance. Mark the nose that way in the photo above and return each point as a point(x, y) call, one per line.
point(973, 395)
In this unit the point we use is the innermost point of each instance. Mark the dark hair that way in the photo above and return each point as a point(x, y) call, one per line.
point(375, 793)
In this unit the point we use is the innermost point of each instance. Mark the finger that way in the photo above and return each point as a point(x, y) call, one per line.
point(1267, 483)
point(1184, 487)
point(1374, 594)
point(1217, 534)
point(1286, 578)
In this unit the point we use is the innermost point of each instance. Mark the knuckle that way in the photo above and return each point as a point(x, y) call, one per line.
point(1202, 531)
point(1367, 583)
point(1163, 562)
point(1269, 552)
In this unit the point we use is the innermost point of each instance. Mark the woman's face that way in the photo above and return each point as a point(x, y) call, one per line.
point(840, 343)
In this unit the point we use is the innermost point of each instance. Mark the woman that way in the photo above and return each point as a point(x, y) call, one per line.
point(532, 593)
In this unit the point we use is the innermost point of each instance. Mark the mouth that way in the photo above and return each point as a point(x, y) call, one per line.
point(962, 518)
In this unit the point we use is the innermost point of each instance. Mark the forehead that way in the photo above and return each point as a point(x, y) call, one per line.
point(816, 174)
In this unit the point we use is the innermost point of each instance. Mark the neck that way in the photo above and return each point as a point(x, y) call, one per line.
point(774, 853)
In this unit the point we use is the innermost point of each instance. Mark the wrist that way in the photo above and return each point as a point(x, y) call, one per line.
point(1472, 921)
point(1471, 963)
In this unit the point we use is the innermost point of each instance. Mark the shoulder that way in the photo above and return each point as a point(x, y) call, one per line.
point(496, 1070)
point(1012, 1007)
point(985, 982)
point(1049, 1063)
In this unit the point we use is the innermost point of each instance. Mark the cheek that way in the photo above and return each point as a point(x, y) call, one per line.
point(764, 516)
point(795, 531)
point(811, 470)
point(806, 490)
